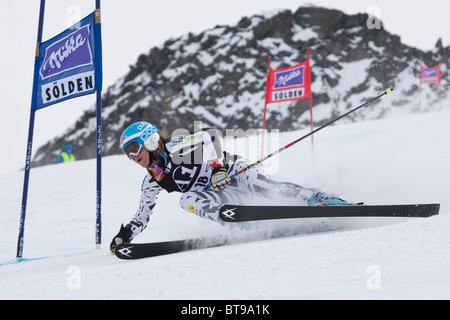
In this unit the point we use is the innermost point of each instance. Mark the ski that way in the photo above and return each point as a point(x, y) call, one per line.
point(232, 213)
point(236, 213)
point(131, 251)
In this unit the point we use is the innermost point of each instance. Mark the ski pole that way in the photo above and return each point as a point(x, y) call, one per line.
point(388, 91)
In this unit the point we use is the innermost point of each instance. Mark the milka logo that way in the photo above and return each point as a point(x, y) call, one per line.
point(430, 73)
point(68, 53)
point(289, 78)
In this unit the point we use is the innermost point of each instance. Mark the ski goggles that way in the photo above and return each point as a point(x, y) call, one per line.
point(132, 149)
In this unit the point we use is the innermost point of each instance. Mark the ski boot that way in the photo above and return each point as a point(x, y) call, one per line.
point(323, 199)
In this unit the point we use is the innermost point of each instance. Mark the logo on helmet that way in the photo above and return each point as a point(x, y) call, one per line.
point(148, 132)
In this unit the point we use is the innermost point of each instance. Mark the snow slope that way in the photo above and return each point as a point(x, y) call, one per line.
point(399, 160)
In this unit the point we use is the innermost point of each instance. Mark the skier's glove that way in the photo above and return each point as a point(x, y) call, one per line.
point(125, 235)
point(219, 179)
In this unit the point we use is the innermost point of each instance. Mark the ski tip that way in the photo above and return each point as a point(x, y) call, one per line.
point(389, 90)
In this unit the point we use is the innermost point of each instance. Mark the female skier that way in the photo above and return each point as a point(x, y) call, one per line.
point(188, 164)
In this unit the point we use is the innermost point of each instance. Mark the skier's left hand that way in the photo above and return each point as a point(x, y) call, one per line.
point(219, 179)
point(125, 235)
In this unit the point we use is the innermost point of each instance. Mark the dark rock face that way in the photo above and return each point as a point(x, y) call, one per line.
point(218, 77)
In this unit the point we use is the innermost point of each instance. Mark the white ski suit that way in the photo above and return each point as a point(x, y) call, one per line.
point(188, 172)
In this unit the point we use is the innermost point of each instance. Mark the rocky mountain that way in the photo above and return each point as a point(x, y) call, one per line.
point(218, 77)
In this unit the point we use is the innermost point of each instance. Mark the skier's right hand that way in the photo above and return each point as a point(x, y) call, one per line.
point(125, 235)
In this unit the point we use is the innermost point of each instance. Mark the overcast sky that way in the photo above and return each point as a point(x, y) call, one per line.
point(130, 28)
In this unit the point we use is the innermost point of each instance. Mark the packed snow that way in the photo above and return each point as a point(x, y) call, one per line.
point(400, 160)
